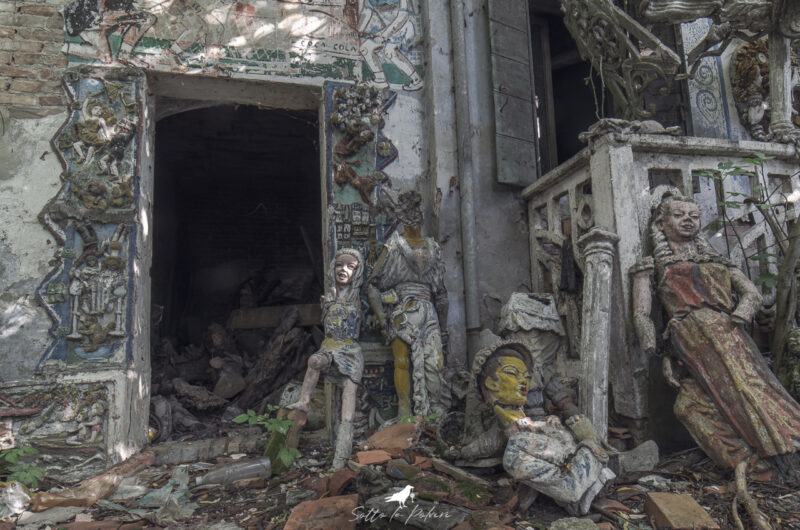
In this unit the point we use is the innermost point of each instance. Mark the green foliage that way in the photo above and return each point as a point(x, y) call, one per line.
point(280, 426)
point(22, 472)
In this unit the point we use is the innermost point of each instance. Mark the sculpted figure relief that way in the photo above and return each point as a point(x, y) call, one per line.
point(407, 293)
point(340, 350)
point(542, 454)
point(729, 399)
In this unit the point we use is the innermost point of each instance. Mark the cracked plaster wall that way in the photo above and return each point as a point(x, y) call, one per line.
point(29, 177)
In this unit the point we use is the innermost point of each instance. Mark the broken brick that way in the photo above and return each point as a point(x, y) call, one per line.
point(377, 456)
point(339, 481)
point(677, 512)
point(324, 514)
point(400, 435)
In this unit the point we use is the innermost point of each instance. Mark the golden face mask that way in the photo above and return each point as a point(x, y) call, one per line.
point(510, 382)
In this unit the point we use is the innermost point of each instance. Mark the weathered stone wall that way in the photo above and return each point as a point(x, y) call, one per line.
point(31, 36)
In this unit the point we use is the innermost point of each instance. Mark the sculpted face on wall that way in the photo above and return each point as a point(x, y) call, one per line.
point(376, 40)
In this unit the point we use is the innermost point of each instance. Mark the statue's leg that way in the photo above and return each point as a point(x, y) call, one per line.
point(780, 86)
point(704, 422)
point(402, 376)
point(316, 364)
point(344, 435)
point(433, 375)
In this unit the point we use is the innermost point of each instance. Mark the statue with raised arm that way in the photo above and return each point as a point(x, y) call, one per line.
point(729, 399)
point(340, 350)
point(407, 294)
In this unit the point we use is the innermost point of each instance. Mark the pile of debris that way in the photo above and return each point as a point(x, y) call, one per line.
point(198, 388)
point(396, 479)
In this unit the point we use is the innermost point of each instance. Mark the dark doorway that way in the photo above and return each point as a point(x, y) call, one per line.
point(236, 213)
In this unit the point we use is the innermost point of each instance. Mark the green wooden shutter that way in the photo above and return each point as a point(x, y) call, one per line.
point(514, 100)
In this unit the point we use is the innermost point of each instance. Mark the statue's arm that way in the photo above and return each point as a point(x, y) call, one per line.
point(749, 297)
point(642, 306)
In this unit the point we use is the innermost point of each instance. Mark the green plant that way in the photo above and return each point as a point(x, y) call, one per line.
point(15, 470)
point(272, 425)
point(783, 256)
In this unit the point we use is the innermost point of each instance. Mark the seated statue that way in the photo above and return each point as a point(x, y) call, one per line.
point(542, 454)
point(340, 353)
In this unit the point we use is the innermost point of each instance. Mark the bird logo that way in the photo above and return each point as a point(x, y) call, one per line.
point(402, 496)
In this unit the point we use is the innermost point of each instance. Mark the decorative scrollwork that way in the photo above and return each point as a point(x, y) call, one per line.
point(626, 55)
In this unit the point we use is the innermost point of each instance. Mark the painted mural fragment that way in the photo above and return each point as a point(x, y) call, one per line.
point(376, 40)
point(88, 292)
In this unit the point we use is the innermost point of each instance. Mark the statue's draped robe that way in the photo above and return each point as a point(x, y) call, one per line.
point(732, 405)
point(416, 275)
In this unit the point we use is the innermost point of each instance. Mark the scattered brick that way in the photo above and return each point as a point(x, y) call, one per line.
point(400, 436)
point(677, 512)
point(376, 456)
point(324, 514)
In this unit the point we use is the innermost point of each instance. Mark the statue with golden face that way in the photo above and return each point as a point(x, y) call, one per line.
point(542, 454)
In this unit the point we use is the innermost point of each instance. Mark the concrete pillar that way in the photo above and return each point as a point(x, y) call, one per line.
point(780, 86)
point(597, 247)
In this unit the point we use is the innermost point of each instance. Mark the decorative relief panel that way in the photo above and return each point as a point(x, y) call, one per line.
point(92, 217)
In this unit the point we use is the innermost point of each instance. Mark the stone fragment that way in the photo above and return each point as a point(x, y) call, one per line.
point(401, 470)
point(417, 513)
point(610, 505)
point(339, 481)
point(678, 512)
point(324, 514)
point(377, 456)
point(656, 482)
point(573, 523)
point(59, 514)
point(371, 482)
point(298, 496)
point(400, 435)
point(458, 473)
point(642, 458)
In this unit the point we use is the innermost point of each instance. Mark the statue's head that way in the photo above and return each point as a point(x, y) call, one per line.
point(678, 218)
point(505, 378)
point(346, 272)
point(409, 208)
point(345, 265)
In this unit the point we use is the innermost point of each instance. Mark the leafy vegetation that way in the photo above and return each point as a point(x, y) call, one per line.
point(770, 201)
point(272, 425)
point(16, 470)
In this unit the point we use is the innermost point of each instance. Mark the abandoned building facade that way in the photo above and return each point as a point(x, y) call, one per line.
point(168, 166)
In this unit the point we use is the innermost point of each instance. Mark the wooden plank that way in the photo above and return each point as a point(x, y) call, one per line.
point(510, 78)
point(510, 42)
point(516, 162)
point(269, 317)
point(509, 12)
point(514, 117)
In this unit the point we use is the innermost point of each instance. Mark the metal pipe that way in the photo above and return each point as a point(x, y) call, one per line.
point(463, 78)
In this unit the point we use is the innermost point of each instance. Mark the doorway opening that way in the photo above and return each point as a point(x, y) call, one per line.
point(237, 226)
